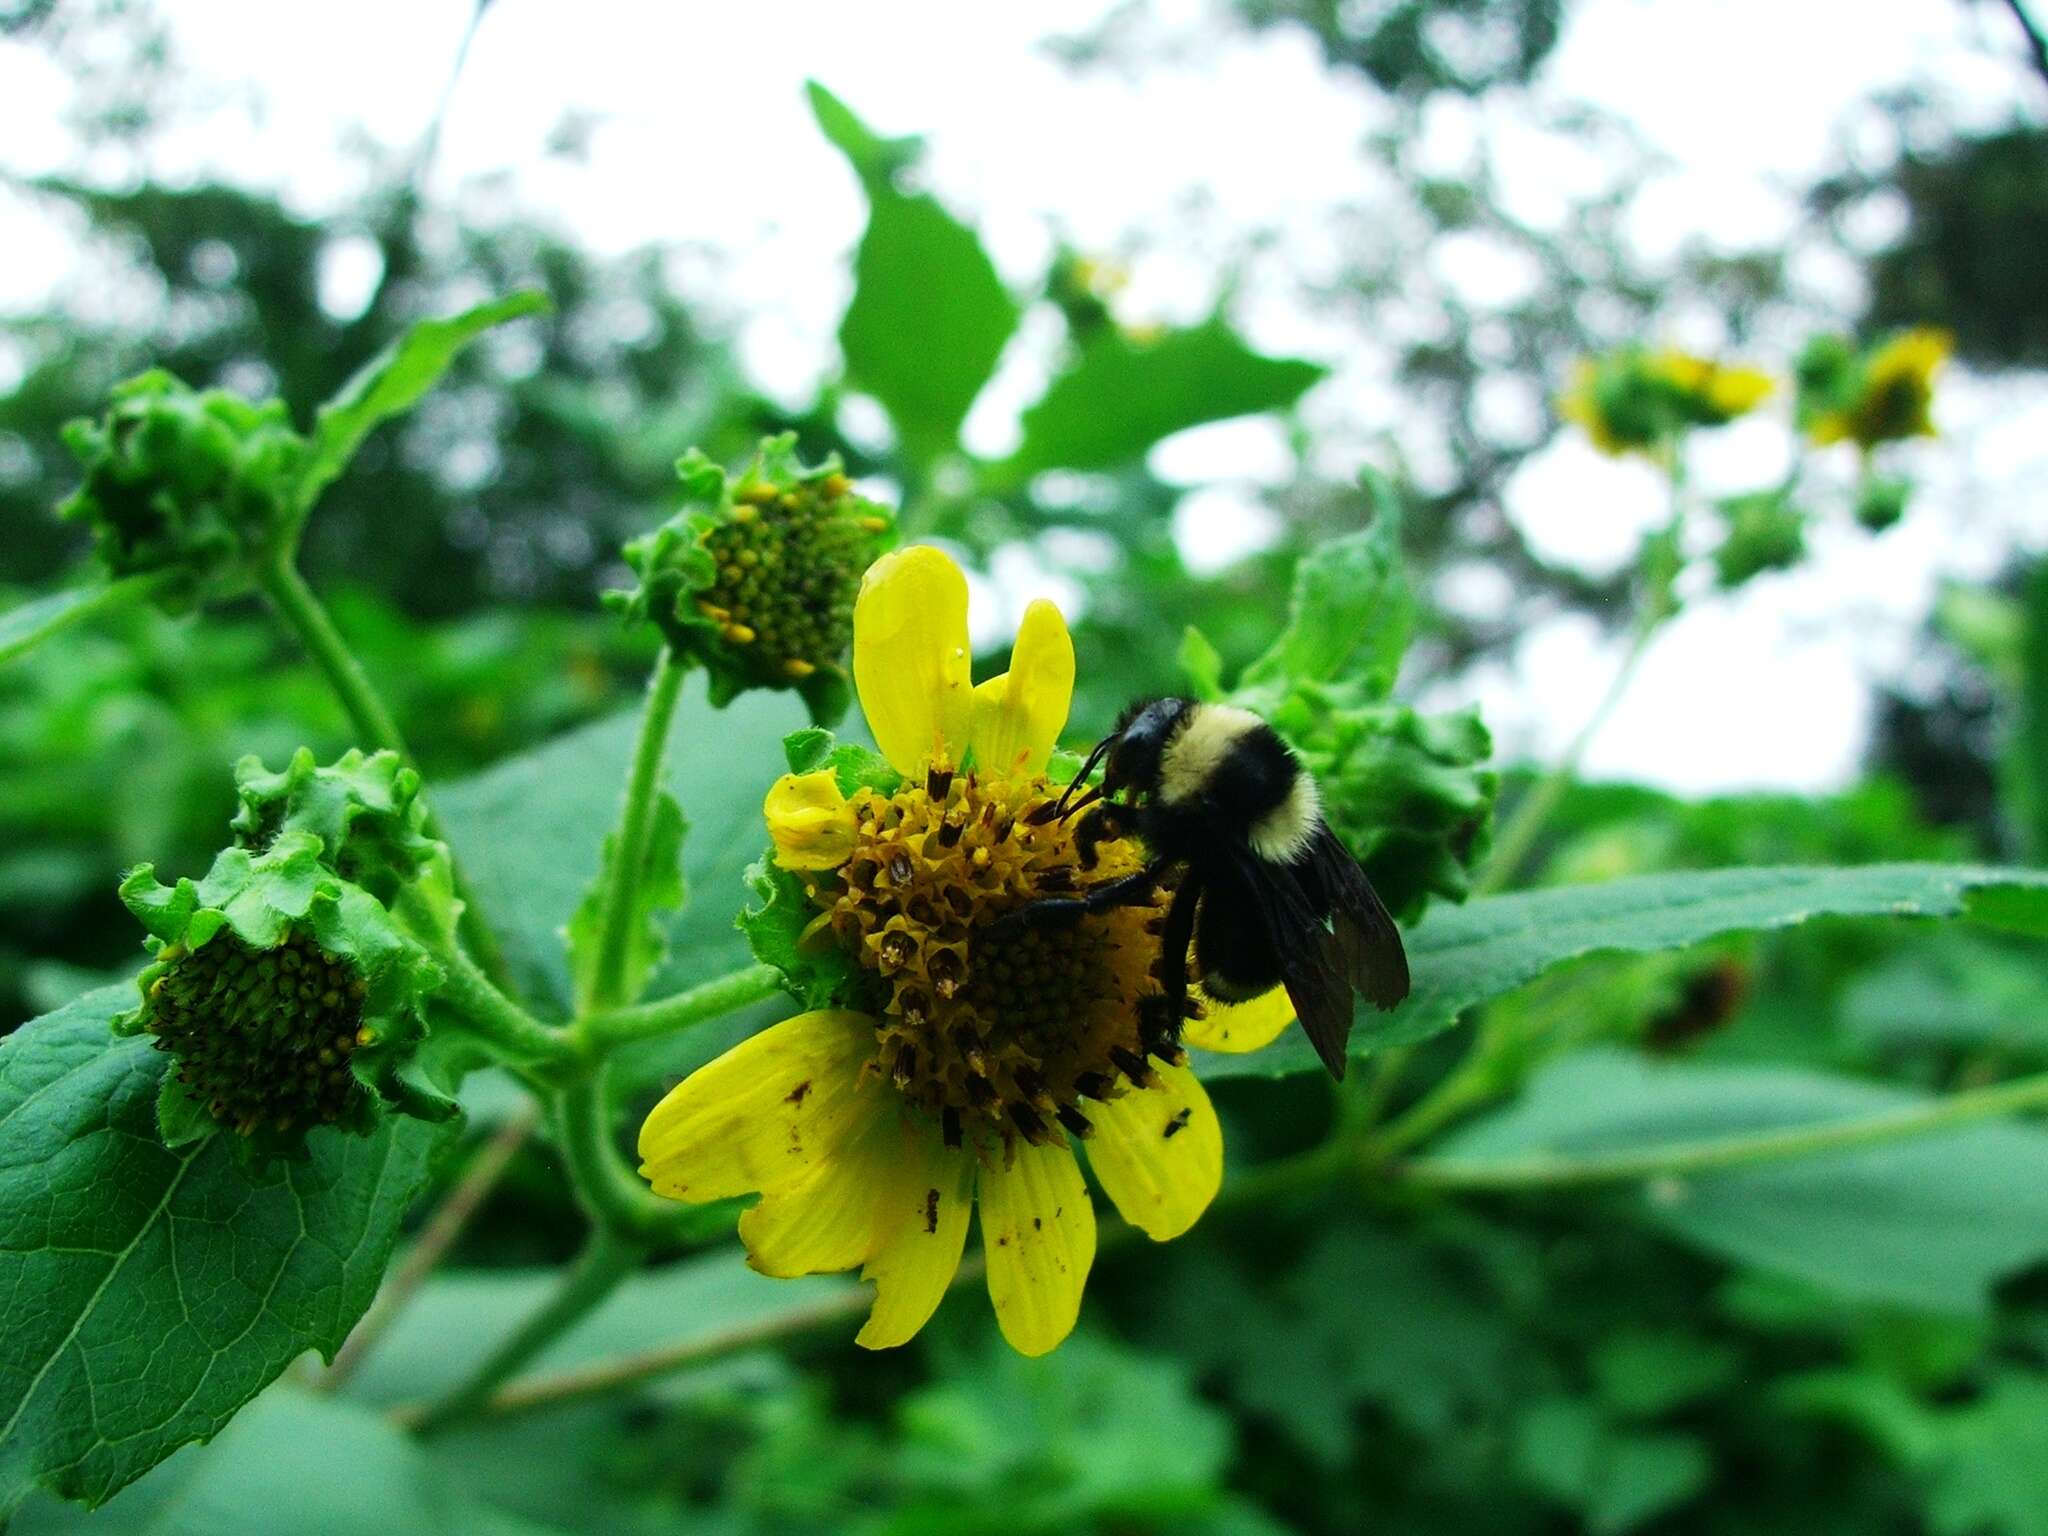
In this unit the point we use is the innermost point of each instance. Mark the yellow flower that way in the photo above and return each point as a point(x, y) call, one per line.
point(1893, 398)
point(978, 1060)
point(1638, 401)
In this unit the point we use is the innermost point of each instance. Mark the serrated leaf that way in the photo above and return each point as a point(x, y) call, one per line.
point(658, 894)
point(1930, 1222)
point(1123, 393)
point(929, 315)
point(1461, 956)
point(393, 381)
point(155, 1291)
point(1352, 612)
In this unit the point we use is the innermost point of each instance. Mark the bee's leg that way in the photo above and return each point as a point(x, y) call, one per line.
point(1128, 891)
point(1160, 1014)
point(1103, 824)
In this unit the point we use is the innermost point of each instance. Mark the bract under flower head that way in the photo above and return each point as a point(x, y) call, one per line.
point(288, 996)
point(755, 576)
point(206, 483)
point(947, 1058)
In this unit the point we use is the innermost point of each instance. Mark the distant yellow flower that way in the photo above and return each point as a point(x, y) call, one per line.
point(1887, 395)
point(976, 1062)
point(1639, 401)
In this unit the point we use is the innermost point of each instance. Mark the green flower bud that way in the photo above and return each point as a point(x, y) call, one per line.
point(1882, 500)
point(1406, 791)
point(1766, 532)
point(175, 479)
point(755, 577)
point(287, 996)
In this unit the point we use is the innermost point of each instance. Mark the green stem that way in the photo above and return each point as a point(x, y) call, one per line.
point(23, 629)
point(671, 1015)
point(522, 1039)
point(605, 1261)
point(636, 824)
point(1535, 807)
point(610, 1192)
point(307, 617)
point(1463, 1088)
point(1559, 1171)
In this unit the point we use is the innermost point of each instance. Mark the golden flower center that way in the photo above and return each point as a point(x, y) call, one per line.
point(996, 1031)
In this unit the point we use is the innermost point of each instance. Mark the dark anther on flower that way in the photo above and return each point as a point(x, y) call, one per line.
point(949, 833)
point(1093, 1085)
point(950, 1127)
point(1131, 1064)
point(261, 1039)
point(1176, 1125)
point(905, 1070)
point(1077, 1124)
point(1029, 1122)
point(937, 781)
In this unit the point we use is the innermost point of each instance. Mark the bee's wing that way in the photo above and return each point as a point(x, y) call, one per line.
point(1370, 954)
point(1313, 967)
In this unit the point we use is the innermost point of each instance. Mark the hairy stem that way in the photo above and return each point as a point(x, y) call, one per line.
point(606, 1260)
point(306, 616)
point(1713, 1154)
point(610, 1192)
point(670, 1015)
point(523, 1040)
point(444, 1228)
point(636, 824)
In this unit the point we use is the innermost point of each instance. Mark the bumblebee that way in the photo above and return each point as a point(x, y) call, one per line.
point(1266, 895)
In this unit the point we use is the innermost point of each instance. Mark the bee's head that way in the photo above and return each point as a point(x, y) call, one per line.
point(1138, 742)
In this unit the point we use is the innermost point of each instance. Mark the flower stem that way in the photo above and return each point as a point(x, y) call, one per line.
point(443, 1229)
point(606, 1260)
point(523, 1040)
point(671, 1015)
point(636, 824)
point(1535, 807)
point(306, 616)
point(1713, 1154)
point(610, 1193)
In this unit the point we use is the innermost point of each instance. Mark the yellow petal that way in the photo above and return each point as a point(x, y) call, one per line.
point(920, 1226)
point(765, 1113)
point(1038, 1231)
point(825, 1221)
point(1018, 717)
point(1159, 1153)
point(910, 659)
point(809, 821)
point(1239, 1027)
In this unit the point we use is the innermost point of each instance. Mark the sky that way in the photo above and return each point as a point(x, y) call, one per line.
point(698, 140)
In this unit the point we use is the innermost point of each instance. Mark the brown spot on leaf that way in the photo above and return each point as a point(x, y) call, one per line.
point(796, 1094)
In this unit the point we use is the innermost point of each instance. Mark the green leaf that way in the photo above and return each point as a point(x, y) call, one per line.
point(659, 893)
point(169, 1287)
point(310, 1465)
point(1461, 956)
point(1123, 393)
point(24, 628)
point(531, 830)
point(1931, 1222)
point(929, 315)
point(1617, 1479)
point(1991, 1468)
point(1201, 664)
point(393, 381)
point(1352, 613)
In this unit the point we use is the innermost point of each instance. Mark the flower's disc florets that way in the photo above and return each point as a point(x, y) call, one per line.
point(789, 567)
point(261, 1038)
point(996, 1032)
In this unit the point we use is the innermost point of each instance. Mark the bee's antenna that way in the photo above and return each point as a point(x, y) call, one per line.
point(1058, 809)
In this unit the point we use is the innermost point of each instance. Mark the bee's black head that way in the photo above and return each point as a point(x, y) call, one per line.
point(1139, 740)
